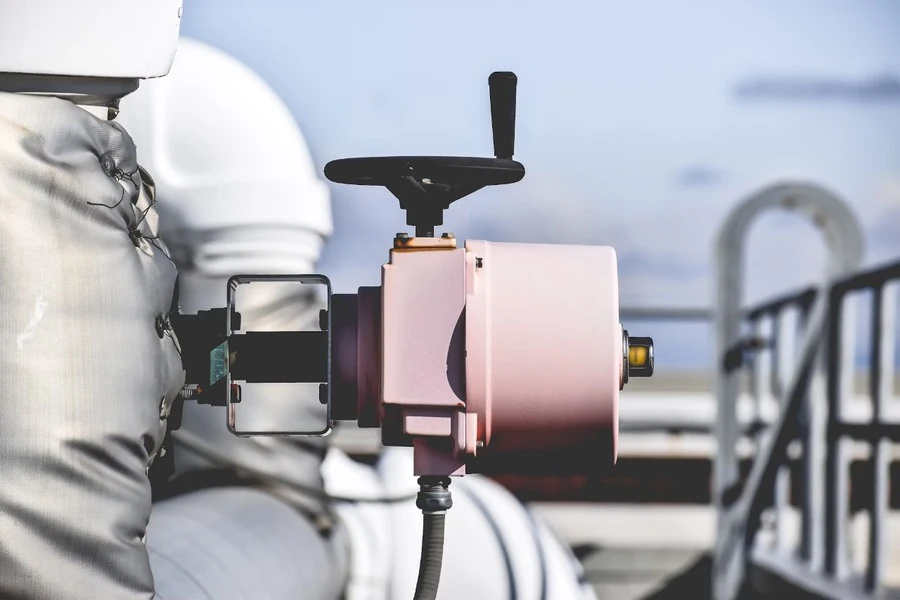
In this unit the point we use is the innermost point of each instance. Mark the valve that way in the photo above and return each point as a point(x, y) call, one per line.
point(466, 351)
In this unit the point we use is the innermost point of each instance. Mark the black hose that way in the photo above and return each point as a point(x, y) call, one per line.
point(434, 500)
point(432, 556)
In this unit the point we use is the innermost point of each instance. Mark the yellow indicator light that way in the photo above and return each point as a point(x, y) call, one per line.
point(638, 356)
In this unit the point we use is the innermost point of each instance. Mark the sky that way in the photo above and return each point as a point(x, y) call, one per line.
point(641, 125)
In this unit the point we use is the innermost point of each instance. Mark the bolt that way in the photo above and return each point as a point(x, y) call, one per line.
point(108, 164)
point(401, 236)
point(447, 236)
point(479, 262)
point(189, 392)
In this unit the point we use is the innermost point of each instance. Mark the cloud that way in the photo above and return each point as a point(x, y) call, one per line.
point(798, 88)
point(700, 176)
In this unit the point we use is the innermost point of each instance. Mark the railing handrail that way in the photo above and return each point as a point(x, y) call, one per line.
point(679, 313)
point(867, 277)
point(811, 408)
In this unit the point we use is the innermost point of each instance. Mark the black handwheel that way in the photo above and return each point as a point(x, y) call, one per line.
point(448, 170)
point(427, 185)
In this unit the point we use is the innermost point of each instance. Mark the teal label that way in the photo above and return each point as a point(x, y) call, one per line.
point(218, 363)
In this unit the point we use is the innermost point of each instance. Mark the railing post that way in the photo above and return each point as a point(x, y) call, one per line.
point(781, 368)
point(881, 379)
point(812, 518)
point(757, 382)
point(837, 486)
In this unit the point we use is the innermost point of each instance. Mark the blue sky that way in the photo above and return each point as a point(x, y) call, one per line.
point(631, 124)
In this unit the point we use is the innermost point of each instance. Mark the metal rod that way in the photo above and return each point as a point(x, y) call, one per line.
point(836, 489)
point(780, 365)
point(805, 523)
point(665, 313)
point(812, 518)
point(756, 382)
point(881, 377)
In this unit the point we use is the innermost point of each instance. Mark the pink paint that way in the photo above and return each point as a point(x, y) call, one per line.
point(490, 348)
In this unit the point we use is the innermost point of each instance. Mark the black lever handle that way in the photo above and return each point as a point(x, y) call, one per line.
point(503, 112)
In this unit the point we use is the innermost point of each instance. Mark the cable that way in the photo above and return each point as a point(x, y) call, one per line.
point(432, 556)
point(434, 500)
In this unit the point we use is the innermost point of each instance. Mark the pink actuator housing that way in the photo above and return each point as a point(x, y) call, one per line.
point(484, 350)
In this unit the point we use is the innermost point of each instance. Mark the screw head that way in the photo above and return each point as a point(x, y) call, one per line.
point(447, 236)
point(402, 236)
point(108, 164)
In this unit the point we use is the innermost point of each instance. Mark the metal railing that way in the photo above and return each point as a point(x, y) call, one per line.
point(814, 419)
point(801, 424)
point(819, 432)
point(794, 356)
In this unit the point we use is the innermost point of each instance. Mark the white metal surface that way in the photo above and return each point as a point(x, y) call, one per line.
point(89, 38)
point(238, 189)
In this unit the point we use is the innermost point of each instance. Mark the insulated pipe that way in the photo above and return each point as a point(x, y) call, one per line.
point(242, 544)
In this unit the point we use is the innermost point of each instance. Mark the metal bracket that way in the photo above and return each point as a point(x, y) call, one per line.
point(264, 347)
